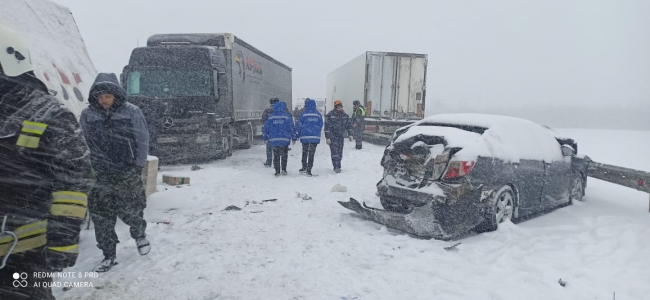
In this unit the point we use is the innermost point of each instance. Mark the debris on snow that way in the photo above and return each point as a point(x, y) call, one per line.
point(452, 248)
point(232, 207)
point(262, 202)
point(339, 189)
point(303, 196)
point(561, 282)
point(196, 168)
point(175, 179)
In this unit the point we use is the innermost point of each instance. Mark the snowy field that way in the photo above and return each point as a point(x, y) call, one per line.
point(315, 249)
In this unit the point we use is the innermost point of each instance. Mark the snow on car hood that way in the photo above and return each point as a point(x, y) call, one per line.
point(507, 138)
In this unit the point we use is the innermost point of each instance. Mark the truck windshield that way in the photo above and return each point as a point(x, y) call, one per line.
point(169, 83)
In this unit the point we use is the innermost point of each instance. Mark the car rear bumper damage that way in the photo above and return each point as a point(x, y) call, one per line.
point(431, 216)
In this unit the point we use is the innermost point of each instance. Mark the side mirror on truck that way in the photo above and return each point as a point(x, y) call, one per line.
point(125, 72)
point(219, 82)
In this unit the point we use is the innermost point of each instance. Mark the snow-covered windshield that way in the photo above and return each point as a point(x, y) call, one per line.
point(169, 83)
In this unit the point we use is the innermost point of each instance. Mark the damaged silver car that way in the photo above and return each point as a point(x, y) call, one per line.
point(450, 174)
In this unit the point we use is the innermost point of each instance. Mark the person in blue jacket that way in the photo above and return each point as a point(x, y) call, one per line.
point(308, 130)
point(278, 131)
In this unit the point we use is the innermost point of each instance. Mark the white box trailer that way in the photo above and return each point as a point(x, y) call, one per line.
point(391, 85)
point(56, 48)
point(320, 104)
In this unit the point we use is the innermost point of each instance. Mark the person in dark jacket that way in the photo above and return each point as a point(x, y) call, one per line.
point(265, 116)
point(117, 135)
point(278, 131)
point(337, 124)
point(308, 130)
point(358, 122)
point(296, 113)
point(45, 175)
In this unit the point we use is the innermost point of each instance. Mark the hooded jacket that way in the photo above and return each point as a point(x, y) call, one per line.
point(309, 124)
point(118, 137)
point(337, 124)
point(45, 176)
point(279, 129)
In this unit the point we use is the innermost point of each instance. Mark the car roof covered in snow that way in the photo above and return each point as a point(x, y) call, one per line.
point(507, 138)
point(472, 119)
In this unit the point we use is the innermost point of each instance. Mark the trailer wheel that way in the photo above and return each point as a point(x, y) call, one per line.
point(226, 143)
point(230, 140)
point(248, 129)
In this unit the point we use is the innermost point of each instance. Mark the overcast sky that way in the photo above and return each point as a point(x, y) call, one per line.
point(505, 56)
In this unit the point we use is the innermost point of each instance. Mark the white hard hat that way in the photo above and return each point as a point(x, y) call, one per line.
point(15, 58)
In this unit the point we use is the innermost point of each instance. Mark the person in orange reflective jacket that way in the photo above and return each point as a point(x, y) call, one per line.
point(45, 175)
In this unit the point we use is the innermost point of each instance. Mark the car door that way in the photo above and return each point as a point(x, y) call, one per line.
point(530, 183)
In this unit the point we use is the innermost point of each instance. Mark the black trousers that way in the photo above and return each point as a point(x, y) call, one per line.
point(117, 195)
point(358, 136)
point(280, 156)
point(308, 151)
point(336, 149)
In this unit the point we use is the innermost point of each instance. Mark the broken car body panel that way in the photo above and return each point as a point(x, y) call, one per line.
point(441, 179)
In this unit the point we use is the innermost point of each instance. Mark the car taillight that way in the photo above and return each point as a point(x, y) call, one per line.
point(457, 169)
point(372, 128)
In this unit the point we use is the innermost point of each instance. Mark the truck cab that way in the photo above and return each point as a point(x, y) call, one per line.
point(181, 89)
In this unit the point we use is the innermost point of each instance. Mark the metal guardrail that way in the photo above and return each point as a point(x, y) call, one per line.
point(377, 138)
point(631, 178)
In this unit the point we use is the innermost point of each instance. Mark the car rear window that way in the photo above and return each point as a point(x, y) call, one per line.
point(476, 129)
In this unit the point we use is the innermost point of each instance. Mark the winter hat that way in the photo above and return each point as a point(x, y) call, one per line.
point(356, 102)
point(337, 103)
point(274, 100)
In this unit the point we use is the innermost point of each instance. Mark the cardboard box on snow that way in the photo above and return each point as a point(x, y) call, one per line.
point(150, 175)
point(175, 179)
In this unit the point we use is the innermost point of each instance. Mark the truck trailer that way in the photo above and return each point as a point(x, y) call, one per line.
point(203, 94)
point(391, 86)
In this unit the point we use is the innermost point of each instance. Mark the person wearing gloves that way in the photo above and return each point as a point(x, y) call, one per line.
point(278, 131)
point(308, 130)
point(337, 124)
point(117, 135)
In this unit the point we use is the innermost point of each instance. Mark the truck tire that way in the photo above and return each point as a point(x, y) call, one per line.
point(226, 143)
point(247, 131)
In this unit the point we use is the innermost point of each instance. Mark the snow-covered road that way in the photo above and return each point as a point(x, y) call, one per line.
point(315, 249)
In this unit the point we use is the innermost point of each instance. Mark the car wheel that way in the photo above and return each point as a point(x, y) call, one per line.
point(501, 208)
point(577, 190)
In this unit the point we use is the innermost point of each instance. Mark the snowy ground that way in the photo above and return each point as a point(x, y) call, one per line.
point(316, 249)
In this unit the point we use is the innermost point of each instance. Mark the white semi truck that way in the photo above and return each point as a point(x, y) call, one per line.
point(391, 86)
